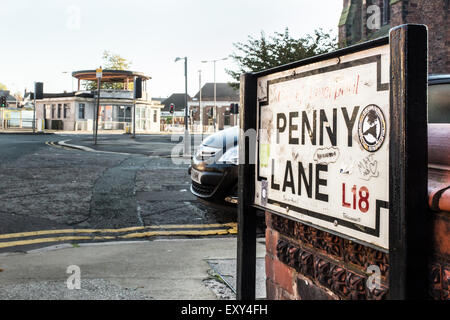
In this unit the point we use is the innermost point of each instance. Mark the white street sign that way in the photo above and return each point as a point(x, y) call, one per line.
point(323, 147)
point(99, 73)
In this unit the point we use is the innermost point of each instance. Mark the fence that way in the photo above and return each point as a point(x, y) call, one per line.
point(16, 118)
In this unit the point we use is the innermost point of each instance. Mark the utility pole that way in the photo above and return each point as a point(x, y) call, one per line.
point(134, 109)
point(99, 74)
point(215, 91)
point(200, 101)
point(34, 109)
point(187, 140)
point(215, 99)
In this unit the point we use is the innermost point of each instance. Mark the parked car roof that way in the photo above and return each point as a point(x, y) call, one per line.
point(438, 78)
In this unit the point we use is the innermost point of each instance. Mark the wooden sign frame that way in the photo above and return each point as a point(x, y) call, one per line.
point(409, 231)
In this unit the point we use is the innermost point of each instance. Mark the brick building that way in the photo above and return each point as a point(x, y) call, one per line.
point(225, 96)
point(363, 20)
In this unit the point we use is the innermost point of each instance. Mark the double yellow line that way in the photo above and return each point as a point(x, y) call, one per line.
point(56, 145)
point(111, 234)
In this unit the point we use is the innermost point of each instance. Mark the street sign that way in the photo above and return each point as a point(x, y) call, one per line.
point(99, 72)
point(341, 146)
point(323, 151)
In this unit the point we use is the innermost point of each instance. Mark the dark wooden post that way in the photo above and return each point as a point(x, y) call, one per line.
point(409, 231)
point(246, 246)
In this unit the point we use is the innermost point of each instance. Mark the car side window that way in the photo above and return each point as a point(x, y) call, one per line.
point(439, 103)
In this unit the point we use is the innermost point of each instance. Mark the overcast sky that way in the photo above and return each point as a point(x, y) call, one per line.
point(42, 39)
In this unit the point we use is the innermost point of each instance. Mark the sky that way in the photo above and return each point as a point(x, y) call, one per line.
point(46, 40)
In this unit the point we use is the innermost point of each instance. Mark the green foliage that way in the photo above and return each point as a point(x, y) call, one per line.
point(114, 61)
point(18, 96)
point(281, 48)
point(111, 61)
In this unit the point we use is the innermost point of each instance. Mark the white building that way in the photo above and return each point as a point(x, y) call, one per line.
point(74, 111)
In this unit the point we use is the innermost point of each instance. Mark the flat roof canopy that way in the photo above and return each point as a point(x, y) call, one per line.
point(109, 75)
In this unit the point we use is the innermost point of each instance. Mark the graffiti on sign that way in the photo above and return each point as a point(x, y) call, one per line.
point(323, 147)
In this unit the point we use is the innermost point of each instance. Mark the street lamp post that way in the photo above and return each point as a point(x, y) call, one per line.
point(215, 91)
point(187, 143)
point(200, 101)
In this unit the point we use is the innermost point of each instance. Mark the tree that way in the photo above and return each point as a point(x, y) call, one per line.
point(265, 53)
point(114, 61)
point(18, 96)
point(3, 87)
point(111, 61)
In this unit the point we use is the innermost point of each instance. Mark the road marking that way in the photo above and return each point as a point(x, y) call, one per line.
point(231, 225)
point(52, 144)
point(48, 232)
point(187, 230)
point(128, 236)
point(44, 240)
point(180, 232)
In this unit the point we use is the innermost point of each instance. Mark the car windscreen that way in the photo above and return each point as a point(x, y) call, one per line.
point(439, 103)
point(227, 138)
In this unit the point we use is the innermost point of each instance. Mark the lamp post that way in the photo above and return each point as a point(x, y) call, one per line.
point(187, 143)
point(200, 101)
point(215, 90)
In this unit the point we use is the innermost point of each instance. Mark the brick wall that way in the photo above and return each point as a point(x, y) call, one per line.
point(433, 13)
point(303, 263)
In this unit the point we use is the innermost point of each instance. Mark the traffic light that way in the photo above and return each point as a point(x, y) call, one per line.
point(172, 108)
point(39, 90)
point(234, 108)
point(138, 88)
point(3, 101)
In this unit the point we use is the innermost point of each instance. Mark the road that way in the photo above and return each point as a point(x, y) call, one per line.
point(51, 195)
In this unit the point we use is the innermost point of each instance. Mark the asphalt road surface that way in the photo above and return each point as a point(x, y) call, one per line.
point(50, 194)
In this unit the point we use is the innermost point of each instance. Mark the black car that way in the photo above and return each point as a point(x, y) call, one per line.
point(214, 168)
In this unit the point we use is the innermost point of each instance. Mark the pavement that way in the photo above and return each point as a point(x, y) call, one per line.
point(175, 269)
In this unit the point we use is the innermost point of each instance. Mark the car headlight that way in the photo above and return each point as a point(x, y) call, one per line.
point(198, 154)
point(231, 156)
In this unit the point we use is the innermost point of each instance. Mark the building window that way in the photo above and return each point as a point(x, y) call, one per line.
point(53, 111)
point(81, 110)
point(59, 111)
point(386, 12)
point(124, 114)
point(155, 116)
point(45, 111)
point(226, 118)
point(66, 110)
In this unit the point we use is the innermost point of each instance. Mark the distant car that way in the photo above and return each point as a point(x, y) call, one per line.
point(214, 168)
